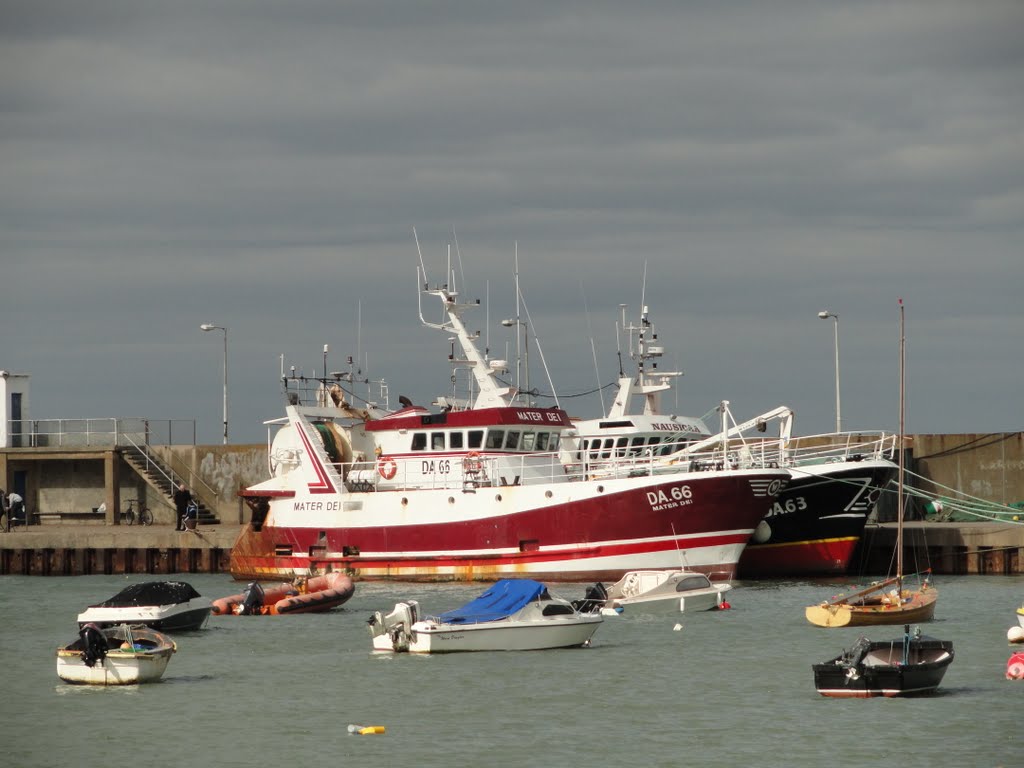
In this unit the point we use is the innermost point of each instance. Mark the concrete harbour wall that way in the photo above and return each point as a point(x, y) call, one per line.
point(65, 485)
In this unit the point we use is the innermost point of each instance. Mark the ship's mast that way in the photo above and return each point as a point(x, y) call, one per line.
point(899, 482)
point(490, 395)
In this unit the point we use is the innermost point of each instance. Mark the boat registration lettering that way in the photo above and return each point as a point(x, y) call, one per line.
point(439, 467)
point(316, 506)
point(795, 504)
point(676, 496)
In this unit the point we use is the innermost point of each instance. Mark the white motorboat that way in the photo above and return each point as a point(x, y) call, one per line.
point(666, 590)
point(512, 615)
point(168, 606)
point(122, 655)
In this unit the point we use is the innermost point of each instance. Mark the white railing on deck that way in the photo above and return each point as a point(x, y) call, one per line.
point(803, 450)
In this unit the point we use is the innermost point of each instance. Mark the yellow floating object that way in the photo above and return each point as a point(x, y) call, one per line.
point(370, 729)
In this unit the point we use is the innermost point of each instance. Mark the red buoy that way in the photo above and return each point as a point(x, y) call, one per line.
point(1015, 667)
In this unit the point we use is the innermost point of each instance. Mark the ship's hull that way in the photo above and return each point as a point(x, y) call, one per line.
point(814, 526)
point(593, 530)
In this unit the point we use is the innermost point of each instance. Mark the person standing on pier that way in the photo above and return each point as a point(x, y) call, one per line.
point(182, 497)
point(15, 510)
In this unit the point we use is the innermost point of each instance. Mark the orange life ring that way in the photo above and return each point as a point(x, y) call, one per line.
point(387, 467)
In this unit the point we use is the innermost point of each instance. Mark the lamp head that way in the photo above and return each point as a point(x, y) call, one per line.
point(825, 315)
point(207, 326)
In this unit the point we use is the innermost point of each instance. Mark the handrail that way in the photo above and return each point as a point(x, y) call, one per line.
point(193, 477)
point(171, 479)
point(102, 432)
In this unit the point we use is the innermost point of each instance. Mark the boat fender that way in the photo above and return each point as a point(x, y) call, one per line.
point(1015, 634)
point(724, 605)
point(1015, 667)
point(387, 467)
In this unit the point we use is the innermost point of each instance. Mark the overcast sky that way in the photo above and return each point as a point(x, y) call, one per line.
point(262, 165)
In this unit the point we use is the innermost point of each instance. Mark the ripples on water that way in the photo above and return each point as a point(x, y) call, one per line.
point(732, 688)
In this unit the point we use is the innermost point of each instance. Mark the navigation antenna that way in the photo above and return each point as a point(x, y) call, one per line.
point(593, 348)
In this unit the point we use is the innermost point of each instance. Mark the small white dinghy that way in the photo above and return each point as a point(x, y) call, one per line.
point(122, 655)
point(512, 615)
point(666, 591)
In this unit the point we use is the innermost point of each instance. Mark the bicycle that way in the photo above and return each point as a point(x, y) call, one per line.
point(129, 515)
point(14, 518)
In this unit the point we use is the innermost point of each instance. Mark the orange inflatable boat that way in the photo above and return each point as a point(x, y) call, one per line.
point(304, 595)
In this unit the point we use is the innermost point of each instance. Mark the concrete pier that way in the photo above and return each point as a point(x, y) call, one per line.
point(79, 550)
point(945, 548)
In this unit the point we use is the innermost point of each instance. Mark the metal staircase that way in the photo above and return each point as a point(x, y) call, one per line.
point(162, 479)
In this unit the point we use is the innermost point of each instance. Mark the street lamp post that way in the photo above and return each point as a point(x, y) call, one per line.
point(825, 315)
point(211, 327)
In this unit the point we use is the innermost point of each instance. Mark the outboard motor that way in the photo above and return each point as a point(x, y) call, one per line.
point(593, 599)
point(852, 660)
point(252, 603)
point(94, 644)
point(397, 625)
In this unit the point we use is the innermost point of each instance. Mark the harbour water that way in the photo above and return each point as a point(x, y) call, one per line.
point(730, 688)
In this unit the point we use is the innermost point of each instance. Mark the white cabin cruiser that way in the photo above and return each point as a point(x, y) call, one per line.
point(512, 615)
point(666, 590)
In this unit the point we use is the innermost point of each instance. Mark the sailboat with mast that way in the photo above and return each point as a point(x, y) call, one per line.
point(878, 604)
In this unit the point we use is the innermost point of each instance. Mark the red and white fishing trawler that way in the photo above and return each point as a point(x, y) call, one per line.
point(478, 494)
point(811, 529)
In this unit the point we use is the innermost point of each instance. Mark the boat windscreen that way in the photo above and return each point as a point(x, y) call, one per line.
point(151, 593)
point(503, 599)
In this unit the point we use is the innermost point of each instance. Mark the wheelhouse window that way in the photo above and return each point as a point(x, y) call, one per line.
point(419, 441)
point(495, 438)
point(542, 441)
point(620, 446)
point(528, 441)
point(437, 441)
point(693, 582)
point(455, 440)
point(512, 440)
point(476, 438)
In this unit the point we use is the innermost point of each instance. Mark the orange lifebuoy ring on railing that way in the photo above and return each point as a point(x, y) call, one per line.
point(472, 462)
point(387, 467)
